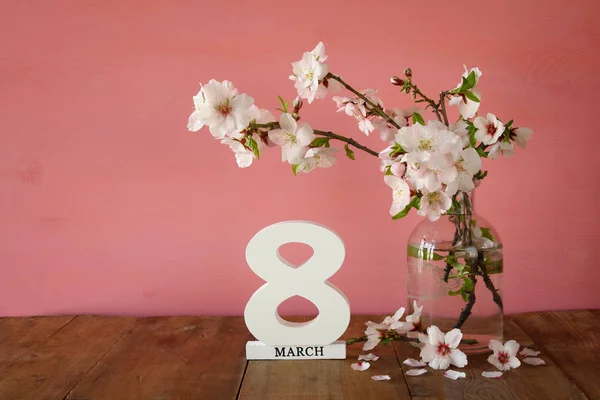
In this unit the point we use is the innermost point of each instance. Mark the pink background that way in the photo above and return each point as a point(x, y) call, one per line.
point(109, 205)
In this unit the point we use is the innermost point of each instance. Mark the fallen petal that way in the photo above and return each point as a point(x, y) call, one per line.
point(415, 372)
point(534, 361)
point(454, 375)
point(492, 374)
point(360, 366)
point(381, 377)
point(528, 352)
point(368, 357)
point(411, 362)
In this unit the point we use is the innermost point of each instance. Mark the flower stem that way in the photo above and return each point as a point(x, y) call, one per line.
point(350, 141)
point(488, 282)
point(442, 103)
point(374, 107)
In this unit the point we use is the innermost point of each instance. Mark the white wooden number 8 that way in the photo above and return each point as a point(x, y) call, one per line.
point(307, 280)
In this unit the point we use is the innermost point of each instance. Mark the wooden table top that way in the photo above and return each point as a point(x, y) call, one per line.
point(160, 358)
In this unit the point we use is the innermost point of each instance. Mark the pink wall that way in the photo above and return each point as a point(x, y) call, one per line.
point(109, 205)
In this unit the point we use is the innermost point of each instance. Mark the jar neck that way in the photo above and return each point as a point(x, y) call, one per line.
point(462, 203)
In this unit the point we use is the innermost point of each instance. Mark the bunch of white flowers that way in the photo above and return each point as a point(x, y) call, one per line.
point(426, 163)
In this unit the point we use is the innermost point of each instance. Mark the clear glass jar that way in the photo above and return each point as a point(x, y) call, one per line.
point(455, 267)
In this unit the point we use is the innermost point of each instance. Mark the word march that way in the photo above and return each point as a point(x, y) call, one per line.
point(311, 351)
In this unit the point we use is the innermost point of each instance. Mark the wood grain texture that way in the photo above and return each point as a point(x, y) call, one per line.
point(326, 379)
point(19, 334)
point(172, 358)
point(53, 366)
point(572, 340)
point(527, 382)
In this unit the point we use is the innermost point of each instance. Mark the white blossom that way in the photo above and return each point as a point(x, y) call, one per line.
point(308, 74)
point(467, 163)
point(503, 147)
point(318, 157)
point(522, 136)
point(415, 372)
point(468, 108)
point(505, 356)
point(420, 141)
point(442, 350)
point(223, 110)
point(400, 193)
point(489, 129)
point(434, 204)
point(292, 138)
point(360, 366)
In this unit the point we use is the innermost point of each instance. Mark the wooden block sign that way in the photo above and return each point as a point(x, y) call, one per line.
point(280, 339)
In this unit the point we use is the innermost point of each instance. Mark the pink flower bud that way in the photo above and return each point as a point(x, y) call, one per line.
point(398, 169)
point(396, 81)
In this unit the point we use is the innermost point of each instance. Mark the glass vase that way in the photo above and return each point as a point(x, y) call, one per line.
point(455, 267)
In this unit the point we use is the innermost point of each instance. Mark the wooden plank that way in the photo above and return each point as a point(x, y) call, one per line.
point(172, 358)
point(48, 370)
point(527, 382)
point(572, 340)
point(19, 334)
point(326, 379)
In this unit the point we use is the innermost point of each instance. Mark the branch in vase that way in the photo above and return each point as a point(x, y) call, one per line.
point(466, 311)
point(488, 282)
point(350, 141)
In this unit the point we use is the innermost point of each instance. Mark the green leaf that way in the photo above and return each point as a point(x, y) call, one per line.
point(485, 232)
point(471, 81)
point(471, 96)
point(396, 150)
point(327, 144)
point(284, 105)
point(414, 203)
point(480, 175)
point(481, 152)
point(253, 146)
point(455, 264)
point(467, 285)
point(464, 296)
point(388, 170)
point(349, 152)
point(294, 168)
point(423, 253)
point(319, 142)
point(417, 119)
point(472, 129)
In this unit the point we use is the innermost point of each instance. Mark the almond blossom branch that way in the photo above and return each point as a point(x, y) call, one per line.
point(350, 141)
point(394, 336)
point(374, 107)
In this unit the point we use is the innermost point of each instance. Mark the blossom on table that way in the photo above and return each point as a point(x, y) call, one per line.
point(221, 108)
point(415, 372)
point(454, 375)
point(360, 366)
point(411, 362)
point(468, 108)
point(434, 204)
point(377, 332)
point(442, 350)
point(491, 374)
point(534, 361)
point(505, 356)
point(292, 138)
point(400, 193)
point(368, 357)
point(529, 352)
point(381, 377)
point(489, 129)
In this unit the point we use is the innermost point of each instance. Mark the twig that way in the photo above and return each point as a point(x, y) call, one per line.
point(488, 282)
point(442, 103)
point(400, 338)
point(466, 311)
point(275, 125)
point(374, 106)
